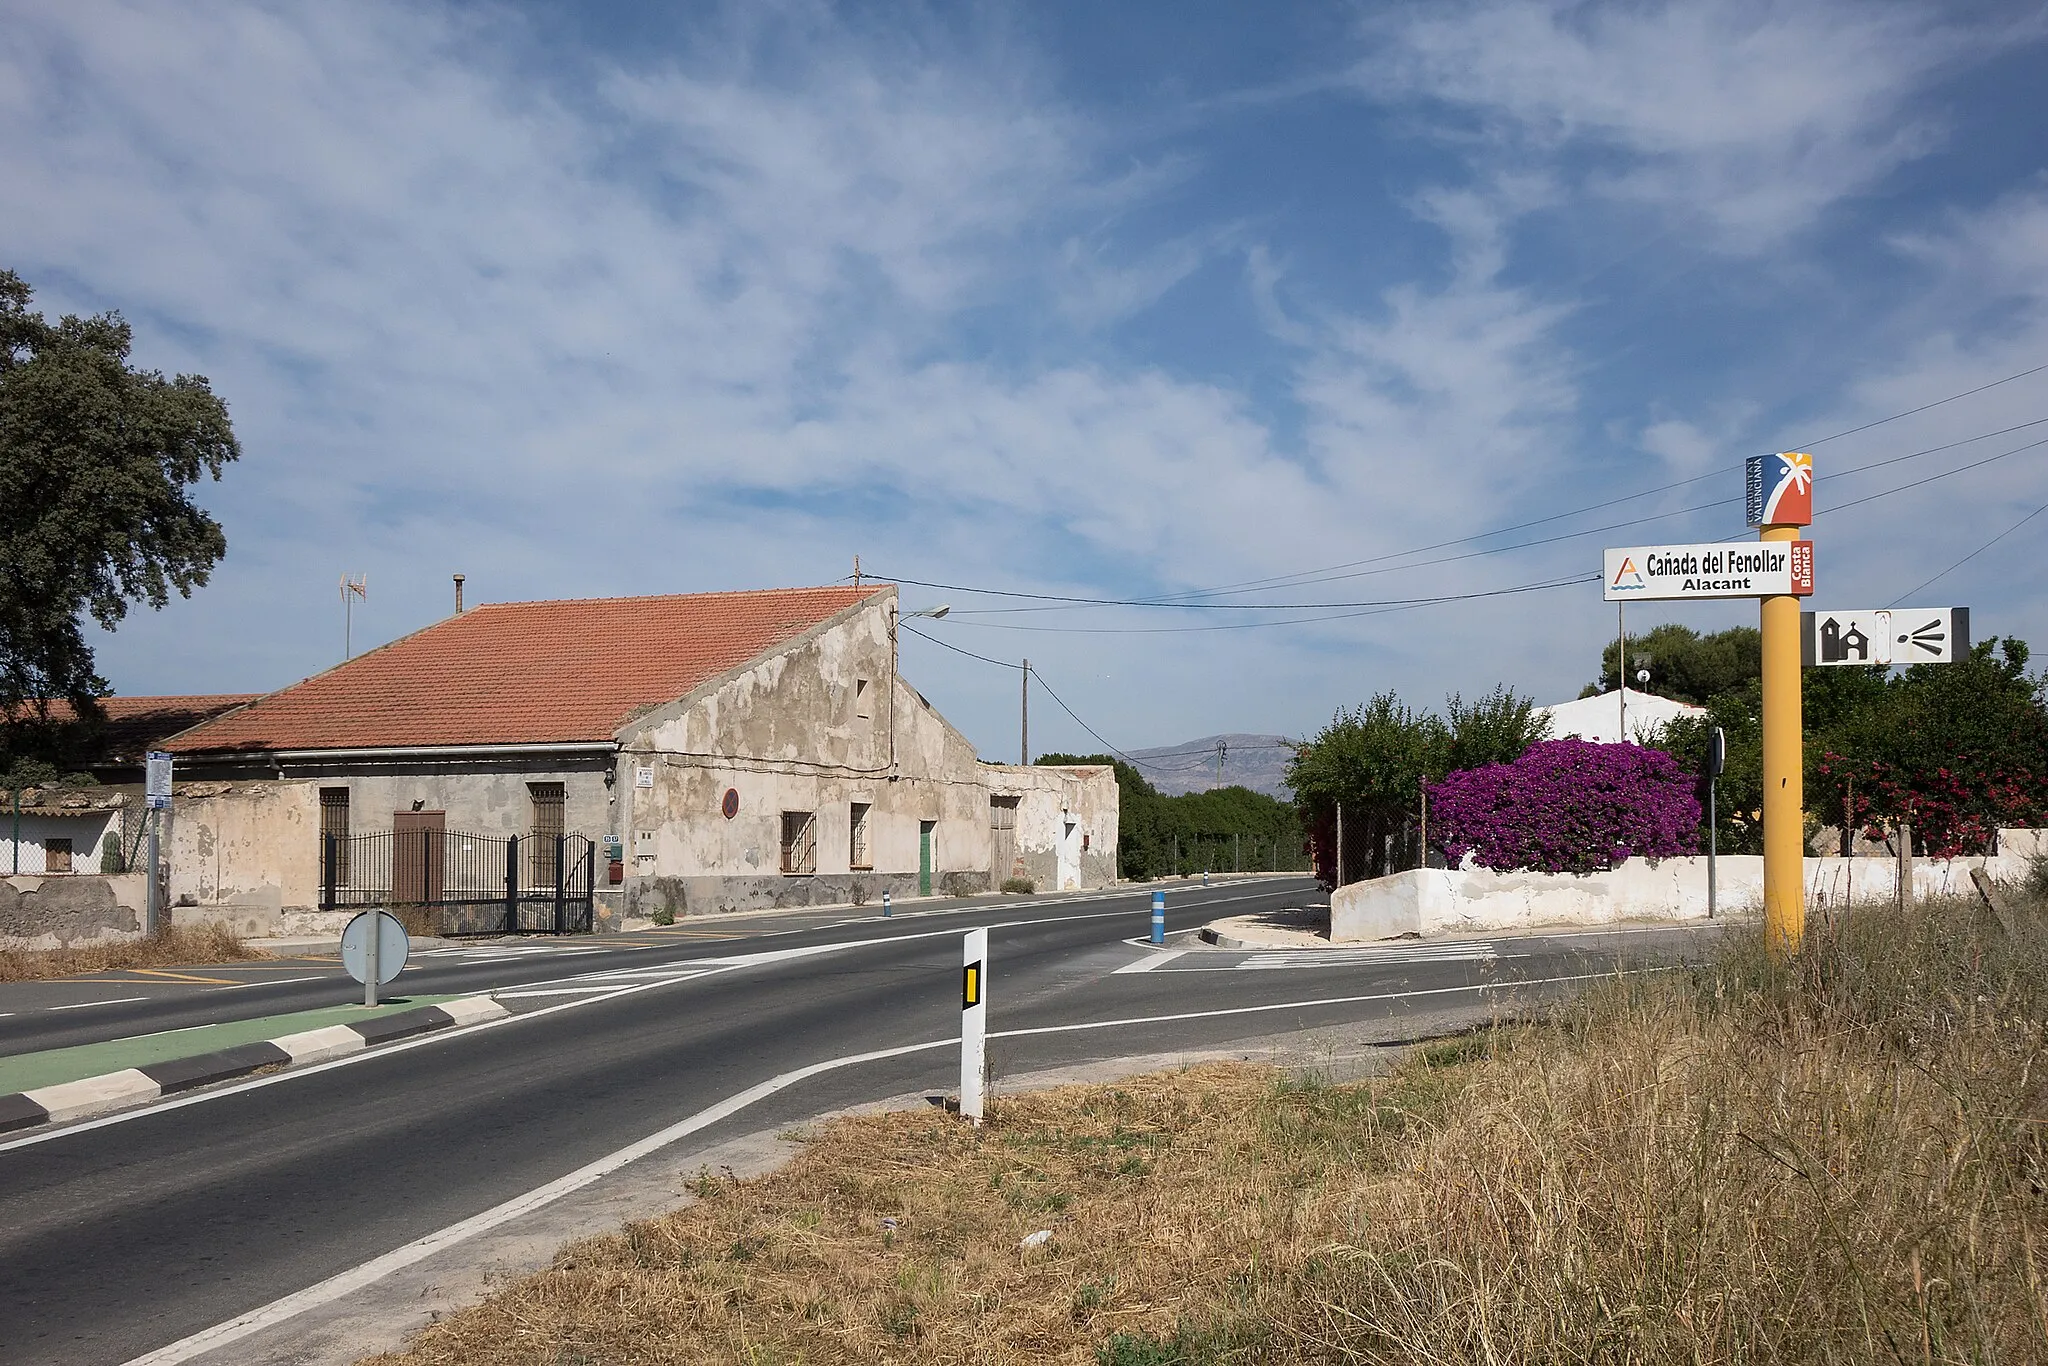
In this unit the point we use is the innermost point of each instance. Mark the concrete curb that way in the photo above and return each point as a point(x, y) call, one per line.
point(137, 1085)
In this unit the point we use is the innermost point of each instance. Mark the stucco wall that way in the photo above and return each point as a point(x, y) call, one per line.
point(63, 912)
point(479, 797)
point(1072, 806)
point(1430, 901)
point(245, 854)
point(797, 732)
point(85, 830)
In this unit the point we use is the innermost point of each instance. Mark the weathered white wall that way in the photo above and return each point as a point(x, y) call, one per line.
point(478, 798)
point(85, 830)
point(797, 732)
point(1428, 901)
point(69, 912)
point(247, 855)
point(1076, 806)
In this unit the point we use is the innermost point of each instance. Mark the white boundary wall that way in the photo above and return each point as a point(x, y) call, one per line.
point(1433, 901)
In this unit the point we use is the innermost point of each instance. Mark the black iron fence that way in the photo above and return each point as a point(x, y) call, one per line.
point(465, 884)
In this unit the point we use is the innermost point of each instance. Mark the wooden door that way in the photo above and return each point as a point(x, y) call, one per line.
point(418, 863)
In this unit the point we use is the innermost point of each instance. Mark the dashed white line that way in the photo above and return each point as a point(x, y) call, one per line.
point(1150, 961)
point(81, 1005)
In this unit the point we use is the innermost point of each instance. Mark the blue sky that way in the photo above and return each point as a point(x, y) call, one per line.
point(1065, 299)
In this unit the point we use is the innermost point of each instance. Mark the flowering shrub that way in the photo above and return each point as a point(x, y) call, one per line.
point(1567, 806)
point(1952, 812)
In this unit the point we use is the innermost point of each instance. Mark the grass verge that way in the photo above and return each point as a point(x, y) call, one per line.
point(178, 946)
point(1837, 1159)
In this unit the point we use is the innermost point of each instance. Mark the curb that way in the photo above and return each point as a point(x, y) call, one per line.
point(135, 1085)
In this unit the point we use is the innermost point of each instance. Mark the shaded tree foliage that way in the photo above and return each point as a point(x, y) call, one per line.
point(1684, 665)
point(96, 462)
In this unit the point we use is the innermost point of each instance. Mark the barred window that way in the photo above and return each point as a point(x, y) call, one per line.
point(799, 842)
point(857, 838)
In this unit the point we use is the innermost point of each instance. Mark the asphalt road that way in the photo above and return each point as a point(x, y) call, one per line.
point(122, 1237)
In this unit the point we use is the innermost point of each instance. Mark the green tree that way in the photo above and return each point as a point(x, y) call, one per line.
point(1497, 729)
point(1683, 664)
point(96, 461)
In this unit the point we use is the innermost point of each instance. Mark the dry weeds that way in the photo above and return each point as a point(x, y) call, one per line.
point(1838, 1161)
point(178, 946)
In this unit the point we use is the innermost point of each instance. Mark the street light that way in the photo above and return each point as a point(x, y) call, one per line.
point(890, 700)
point(933, 612)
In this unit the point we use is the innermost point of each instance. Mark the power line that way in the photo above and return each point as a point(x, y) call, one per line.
point(1309, 575)
point(1335, 608)
point(1407, 605)
point(1971, 556)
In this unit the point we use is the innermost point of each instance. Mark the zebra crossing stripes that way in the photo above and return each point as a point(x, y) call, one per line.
point(1406, 956)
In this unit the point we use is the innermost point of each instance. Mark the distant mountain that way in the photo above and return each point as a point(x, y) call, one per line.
point(1258, 762)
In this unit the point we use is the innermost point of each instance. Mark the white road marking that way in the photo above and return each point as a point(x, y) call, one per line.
point(383, 1051)
point(81, 1005)
point(550, 991)
point(374, 1270)
point(1373, 957)
point(370, 1272)
point(1150, 961)
point(281, 982)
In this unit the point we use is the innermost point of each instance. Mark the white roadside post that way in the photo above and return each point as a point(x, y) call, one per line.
point(973, 1022)
point(157, 797)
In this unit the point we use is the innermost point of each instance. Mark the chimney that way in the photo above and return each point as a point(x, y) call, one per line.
point(458, 595)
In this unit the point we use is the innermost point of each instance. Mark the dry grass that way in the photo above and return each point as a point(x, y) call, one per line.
point(178, 946)
point(1842, 1160)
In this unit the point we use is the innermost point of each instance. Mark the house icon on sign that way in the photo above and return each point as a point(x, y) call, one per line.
point(1838, 645)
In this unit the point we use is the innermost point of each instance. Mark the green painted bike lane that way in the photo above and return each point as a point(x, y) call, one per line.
point(27, 1071)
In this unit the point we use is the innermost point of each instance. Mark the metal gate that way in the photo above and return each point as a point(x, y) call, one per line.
point(465, 884)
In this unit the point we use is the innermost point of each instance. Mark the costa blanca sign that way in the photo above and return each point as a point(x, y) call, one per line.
point(1723, 569)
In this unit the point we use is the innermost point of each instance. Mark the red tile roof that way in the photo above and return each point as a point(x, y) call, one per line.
point(524, 672)
point(134, 724)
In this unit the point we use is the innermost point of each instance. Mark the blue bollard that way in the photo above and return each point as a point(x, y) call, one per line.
point(1159, 917)
point(1205, 877)
point(885, 905)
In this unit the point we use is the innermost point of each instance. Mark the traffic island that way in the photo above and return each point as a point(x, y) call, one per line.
point(67, 1084)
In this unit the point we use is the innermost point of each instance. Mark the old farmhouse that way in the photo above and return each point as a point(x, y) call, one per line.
point(685, 754)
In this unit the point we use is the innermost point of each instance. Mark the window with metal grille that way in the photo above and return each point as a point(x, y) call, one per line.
point(549, 801)
point(857, 838)
point(799, 842)
point(334, 821)
point(56, 855)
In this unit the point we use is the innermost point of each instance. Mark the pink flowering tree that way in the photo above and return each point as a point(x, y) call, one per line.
point(1567, 806)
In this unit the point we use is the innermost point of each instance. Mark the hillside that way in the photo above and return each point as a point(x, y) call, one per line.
point(1258, 762)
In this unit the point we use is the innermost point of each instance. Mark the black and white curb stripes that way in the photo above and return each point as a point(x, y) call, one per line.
point(132, 1086)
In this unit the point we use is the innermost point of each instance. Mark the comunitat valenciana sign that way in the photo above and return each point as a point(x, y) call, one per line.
point(1717, 569)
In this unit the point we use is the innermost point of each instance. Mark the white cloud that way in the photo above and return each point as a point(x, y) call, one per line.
point(1750, 116)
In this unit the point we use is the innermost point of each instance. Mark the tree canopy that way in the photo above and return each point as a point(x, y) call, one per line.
point(97, 459)
point(1374, 759)
point(1684, 665)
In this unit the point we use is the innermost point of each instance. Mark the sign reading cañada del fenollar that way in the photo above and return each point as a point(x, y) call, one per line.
point(1724, 569)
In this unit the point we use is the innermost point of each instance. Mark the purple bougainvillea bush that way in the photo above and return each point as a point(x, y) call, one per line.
point(1567, 806)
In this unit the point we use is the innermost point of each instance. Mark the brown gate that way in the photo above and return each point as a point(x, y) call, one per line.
point(418, 857)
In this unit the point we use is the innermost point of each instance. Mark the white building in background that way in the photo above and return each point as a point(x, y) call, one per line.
point(1599, 719)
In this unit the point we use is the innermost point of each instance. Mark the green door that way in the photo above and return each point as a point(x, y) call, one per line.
point(924, 857)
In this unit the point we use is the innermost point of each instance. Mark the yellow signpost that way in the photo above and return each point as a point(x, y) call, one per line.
point(1780, 503)
point(1778, 572)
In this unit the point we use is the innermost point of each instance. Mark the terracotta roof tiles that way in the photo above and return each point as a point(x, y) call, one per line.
point(524, 672)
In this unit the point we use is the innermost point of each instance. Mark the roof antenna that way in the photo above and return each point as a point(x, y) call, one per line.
point(458, 595)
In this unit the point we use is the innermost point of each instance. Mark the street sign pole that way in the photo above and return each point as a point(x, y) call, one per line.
point(1780, 503)
point(370, 962)
point(1717, 759)
point(156, 796)
point(973, 1022)
point(1784, 799)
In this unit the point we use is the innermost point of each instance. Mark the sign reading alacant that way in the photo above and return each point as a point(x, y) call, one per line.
point(1780, 489)
point(1718, 569)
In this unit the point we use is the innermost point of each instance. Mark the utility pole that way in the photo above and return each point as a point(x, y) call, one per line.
point(1024, 720)
point(856, 571)
point(1222, 749)
point(1340, 844)
point(1621, 667)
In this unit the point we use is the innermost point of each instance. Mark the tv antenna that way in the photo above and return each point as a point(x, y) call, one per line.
point(351, 589)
